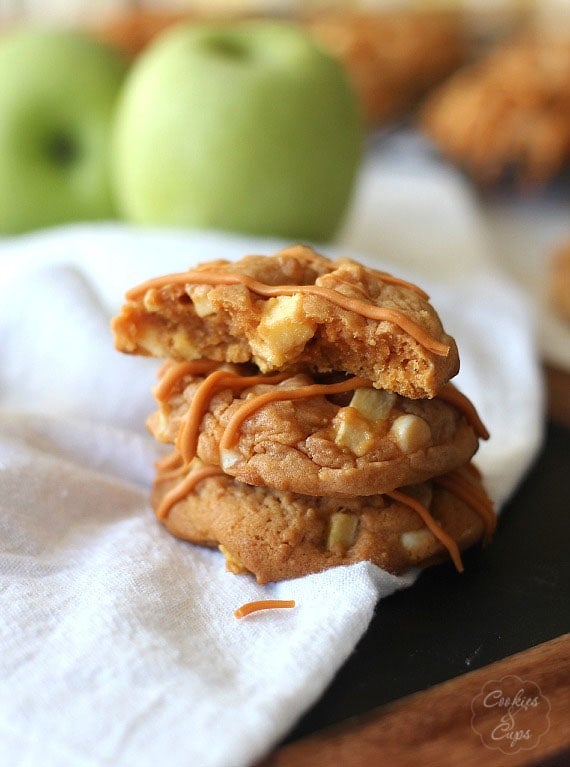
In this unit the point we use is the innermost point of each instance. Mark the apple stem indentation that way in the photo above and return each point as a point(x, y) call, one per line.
point(227, 47)
point(62, 149)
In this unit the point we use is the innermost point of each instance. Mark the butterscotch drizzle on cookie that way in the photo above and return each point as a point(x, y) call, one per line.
point(217, 381)
point(356, 305)
point(424, 514)
point(222, 377)
point(171, 375)
point(458, 483)
point(219, 377)
point(187, 485)
point(449, 393)
point(231, 432)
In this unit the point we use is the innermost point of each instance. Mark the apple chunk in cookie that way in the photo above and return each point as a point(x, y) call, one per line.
point(294, 433)
point(290, 309)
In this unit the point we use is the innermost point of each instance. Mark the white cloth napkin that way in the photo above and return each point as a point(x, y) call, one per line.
point(118, 644)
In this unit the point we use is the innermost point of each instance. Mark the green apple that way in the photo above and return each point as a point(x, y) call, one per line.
point(247, 127)
point(58, 91)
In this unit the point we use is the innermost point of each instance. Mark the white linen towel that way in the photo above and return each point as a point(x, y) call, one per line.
point(118, 644)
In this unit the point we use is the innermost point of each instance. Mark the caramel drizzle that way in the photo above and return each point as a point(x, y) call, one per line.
point(166, 365)
point(170, 467)
point(169, 461)
point(182, 489)
point(171, 375)
point(365, 309)
point(187, 439)
point(231, 432)
point(453, 396)
point(455, 482)
point(443, 537)
point(459, 485)
point(195, 476)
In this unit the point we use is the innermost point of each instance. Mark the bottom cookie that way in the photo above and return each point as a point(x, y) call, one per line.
point(278, 535)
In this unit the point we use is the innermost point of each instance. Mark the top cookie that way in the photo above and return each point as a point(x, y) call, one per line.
point(293, 308)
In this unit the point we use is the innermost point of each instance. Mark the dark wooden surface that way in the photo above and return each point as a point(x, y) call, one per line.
point(435, 727)
point(513, 596)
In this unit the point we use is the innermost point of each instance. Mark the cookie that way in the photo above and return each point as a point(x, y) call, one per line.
point(391, 57)
point(507, 116)
point(277, 535)
point(295, 308)
point(298, 434)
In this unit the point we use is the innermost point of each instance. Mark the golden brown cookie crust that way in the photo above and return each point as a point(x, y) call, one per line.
point(317, 446)
point(183, 318)
point(277, 535)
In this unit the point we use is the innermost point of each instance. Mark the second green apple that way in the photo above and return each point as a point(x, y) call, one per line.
point(247, 127)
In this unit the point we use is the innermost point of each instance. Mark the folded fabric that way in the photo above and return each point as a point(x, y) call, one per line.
point(118, 643)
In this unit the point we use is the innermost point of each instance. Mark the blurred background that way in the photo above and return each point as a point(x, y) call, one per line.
point(466, 116)
point(491, 18)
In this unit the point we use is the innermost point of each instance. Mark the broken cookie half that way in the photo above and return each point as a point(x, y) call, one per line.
point(293, 309)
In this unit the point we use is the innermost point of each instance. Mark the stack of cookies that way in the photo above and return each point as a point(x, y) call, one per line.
point(310, 417)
